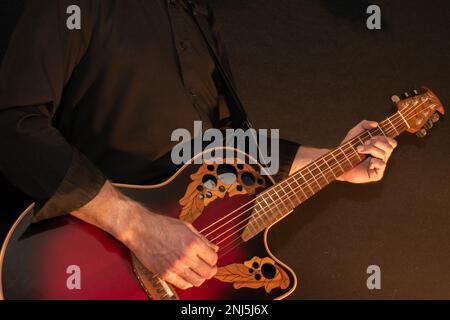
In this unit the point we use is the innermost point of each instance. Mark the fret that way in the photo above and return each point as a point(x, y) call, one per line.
point(255, 219)
point(354, 148)
point(345, 155)
point(314, 177)
point(295, 190)
point(285, 196)
point(381, 130)
point(267, 204)
point(256, 216)
point(286, 193)
point(275, 205)
point(404, 120)
point(280, 198)
point(323, 174)
point(331, 170)
point(301, 188)
point(306, 182)
point(360, 140)
point(337, 161)
point(395, 129)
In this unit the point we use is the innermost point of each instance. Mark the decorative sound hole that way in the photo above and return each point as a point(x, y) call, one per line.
point(226, 173)
point(268, 270)
point(260, 181)
point(248, 179)
point(209, 182)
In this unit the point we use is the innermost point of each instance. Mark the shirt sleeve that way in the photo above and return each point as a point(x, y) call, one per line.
point(288, 151)
point(38, 63)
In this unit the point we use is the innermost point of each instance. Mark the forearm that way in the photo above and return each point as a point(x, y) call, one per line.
point(112, 212)
point(306, 155)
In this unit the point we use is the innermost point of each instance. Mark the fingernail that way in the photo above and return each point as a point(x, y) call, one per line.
point(360, 148)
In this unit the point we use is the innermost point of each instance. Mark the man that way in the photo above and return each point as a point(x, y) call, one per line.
point(81, 108)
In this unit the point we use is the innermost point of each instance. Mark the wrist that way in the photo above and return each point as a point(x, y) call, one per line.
point(114, 213)
point(306, 155)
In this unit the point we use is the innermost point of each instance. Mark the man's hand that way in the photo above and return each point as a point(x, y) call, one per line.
point(173, 249)
point(379, 149)
point(169, 247)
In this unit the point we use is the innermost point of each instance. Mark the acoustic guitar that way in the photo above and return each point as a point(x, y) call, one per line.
point(231, 204)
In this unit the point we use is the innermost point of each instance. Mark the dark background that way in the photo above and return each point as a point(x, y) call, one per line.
point(313, 69)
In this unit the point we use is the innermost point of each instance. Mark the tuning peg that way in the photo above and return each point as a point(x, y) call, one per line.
point(421, 133)
point(416, 93)
point(395, 99)
point(435, 117)
point(428, 125)
point(406, 95)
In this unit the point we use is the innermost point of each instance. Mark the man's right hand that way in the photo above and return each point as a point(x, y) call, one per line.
point(173, 249)
point(169, 247)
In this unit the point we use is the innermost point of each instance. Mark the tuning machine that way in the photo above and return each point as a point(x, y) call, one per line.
point(421, 133)
point(435, 117)
point(395, 99)
point(428, 125)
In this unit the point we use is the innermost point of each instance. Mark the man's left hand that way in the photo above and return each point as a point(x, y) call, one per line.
point(378, 149)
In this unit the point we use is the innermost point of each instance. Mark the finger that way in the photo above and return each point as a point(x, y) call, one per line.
point(359, 128)
point(373, 151)
point(392, 142)
point(177, 281)
point(376, 164)
point(204, 239)
point(205, 252)
point(367, 125)
point(383, 144)
point(202, 268)
point(376, 169)
point(191, 276)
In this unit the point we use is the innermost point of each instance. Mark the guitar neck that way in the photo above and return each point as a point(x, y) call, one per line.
point(282, 198)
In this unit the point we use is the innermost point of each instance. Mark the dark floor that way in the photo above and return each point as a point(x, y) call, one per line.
point(312, 69)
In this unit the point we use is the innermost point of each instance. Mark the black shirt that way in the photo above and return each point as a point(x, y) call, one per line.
point(78, 107)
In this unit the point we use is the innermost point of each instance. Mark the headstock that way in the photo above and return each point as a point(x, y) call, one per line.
point(419, 109)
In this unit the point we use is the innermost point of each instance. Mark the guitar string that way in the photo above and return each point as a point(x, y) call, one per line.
point(274, 202)
point(389, 131)
point(347, 144)
point(239, 238)
point(264, 212)
point(306, 182)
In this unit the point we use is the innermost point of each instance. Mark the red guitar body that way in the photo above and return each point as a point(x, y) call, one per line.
point(38, 259)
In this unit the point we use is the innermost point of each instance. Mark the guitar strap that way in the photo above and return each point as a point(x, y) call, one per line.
point(200, 13)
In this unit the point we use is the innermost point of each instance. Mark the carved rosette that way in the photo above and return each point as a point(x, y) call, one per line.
point(213, 181)
point(255, 273)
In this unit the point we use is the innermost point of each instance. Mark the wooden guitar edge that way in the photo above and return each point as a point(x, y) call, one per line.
point(6, 242)
point(128, 186)
point(148, 287)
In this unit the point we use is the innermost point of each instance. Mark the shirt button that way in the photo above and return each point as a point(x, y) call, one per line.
point(192, 93)
point(184, 45)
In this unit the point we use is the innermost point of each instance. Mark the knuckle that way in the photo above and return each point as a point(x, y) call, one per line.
point(198, 282)
point(214, 258)
point(185, 286)
point(167, 275)
point(212, 273)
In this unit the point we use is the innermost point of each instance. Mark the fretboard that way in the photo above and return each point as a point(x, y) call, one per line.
point(279, 200)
